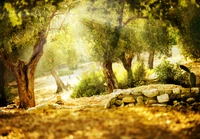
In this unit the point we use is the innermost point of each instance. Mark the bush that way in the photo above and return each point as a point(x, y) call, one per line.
point(171, 74)
point(121, 76)
point(139, 72)
point(91, 83)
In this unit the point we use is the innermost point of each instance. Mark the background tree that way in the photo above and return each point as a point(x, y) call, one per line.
point(182, 15)
point(59, 51)
point(155, 35)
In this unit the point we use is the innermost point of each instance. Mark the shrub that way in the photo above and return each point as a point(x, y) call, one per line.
point(139, 72)
point(91, 83)
point(171, 74)
point(121, 76)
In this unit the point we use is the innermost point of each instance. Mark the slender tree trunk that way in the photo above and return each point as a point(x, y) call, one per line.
point(24, 73)
point(3, 100)
point(110, 76)
point(60, 85)
point(126, 60)
point(151, 59)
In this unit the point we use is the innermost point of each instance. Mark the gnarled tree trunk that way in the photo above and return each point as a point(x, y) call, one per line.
point(3, 100)
point(110, 76)
point(60, 85)
point(24, 73)
point(151, 59)
point(126, 60)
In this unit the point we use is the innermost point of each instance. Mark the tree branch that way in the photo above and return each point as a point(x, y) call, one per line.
point(134, 18)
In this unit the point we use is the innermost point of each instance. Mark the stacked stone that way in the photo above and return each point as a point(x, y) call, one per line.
point(154, 97)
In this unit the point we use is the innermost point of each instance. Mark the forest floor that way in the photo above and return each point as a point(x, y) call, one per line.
point(96, 122)
point(86, 118)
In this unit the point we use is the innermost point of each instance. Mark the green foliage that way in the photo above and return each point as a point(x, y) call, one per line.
point(171, 74)
point(11, 94)
point(156, 37)
point(165, 72)
point(121, 76)
point(91, 83)
point(189, 34)
point(64, 72)
point(139, 72)
point(60, 51)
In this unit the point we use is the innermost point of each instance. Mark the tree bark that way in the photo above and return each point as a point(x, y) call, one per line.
point(151, 59)
point(60, 85)
point(24, 73)
point(3, 100)
point(110, 76)
point(126, 60)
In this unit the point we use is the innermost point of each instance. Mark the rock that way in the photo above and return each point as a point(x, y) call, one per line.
point(163, 98)
point(117, 91)
point(126, 91)
point(121, 96)
point(181, 104)
point(150, 93)
point(136, 93)
point(185, 90)
point(176, 91)
point(128, 99)
point(140, 99)
point(131, 104)
point(169, 91)
point(107, 105)
point(118, 102)
point(150, 101)
point(42, 106)
point(175, 96)
point(195, 90)
point(175, 102)
point(11, 106)
point(159, 105)
point(190, 100)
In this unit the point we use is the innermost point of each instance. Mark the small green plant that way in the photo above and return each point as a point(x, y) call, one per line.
point(121, 76)
point(139, 72)
point(91, 83)
point(192, 76)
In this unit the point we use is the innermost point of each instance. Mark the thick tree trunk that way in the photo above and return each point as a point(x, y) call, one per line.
point(3, 100)
point(24, 73)
point(151, 59)
point(110, 76)
point(25, 83)
point(126, 60)
point(60, 85)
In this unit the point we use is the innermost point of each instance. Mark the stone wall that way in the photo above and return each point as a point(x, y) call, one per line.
point(155, 95)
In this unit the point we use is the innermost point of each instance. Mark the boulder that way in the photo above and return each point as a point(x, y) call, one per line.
point(195, 90)
point(163, 98)
point(176, 91)
point(150, 93)
point(128, 99)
